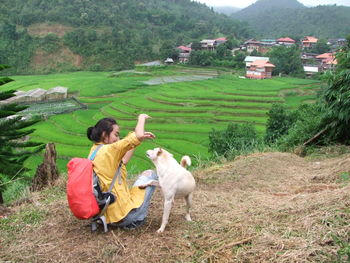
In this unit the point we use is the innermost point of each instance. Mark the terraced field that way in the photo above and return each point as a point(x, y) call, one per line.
point(183, 113)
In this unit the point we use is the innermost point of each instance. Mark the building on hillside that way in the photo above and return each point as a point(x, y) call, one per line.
point(309, 42)
point(184, 53)
point(336, 43)
point(286, 41)
point(266, 45)
point(250, 59)
point(220, 40)
point(311, 69)
point(258, 67)
point(56, 93)
point(308, 58)
point(327, 61)
point(261, 46)
point(251, 45)
point(208, 44)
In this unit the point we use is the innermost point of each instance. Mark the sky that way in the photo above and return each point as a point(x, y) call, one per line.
point(245, 3)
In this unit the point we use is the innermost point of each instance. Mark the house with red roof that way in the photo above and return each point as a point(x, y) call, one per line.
point(251, 45)
point(309, 42)
point(220, 40)
point(184, 55)
point(327, 60)
point(259, 68)
point(285, 41)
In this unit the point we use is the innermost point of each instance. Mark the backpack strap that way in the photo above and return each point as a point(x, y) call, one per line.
point(93, 155)
point(117, 175)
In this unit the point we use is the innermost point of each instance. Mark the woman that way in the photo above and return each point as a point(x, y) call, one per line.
point(131, 205)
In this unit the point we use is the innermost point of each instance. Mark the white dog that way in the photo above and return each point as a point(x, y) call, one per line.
point(174, 179)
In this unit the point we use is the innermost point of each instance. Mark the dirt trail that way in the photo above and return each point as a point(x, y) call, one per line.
point(265, 207)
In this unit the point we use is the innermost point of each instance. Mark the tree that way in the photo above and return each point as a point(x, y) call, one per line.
point(15, 147)
point(222, 52)
point(336, 101)
point(320, 47)
point(239, 59)
point(167, 50)
point(286, 59)
point(279, 122)
point(236, 139)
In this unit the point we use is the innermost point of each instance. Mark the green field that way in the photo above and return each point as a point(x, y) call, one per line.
point(183, 113)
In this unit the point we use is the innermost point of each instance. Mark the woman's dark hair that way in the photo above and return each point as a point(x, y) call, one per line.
point(104, 125)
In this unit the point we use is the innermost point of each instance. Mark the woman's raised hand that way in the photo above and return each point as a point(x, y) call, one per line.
point(148, 135)
point(144, 116)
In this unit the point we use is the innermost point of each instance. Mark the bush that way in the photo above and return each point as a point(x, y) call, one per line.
point(307, 124)
point(279, 122)
point(235, 140)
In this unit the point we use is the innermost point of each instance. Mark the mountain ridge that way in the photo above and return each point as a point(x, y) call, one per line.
point(324, 21)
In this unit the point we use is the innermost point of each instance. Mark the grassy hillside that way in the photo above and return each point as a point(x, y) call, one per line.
point(183, 112)
point(265, 207)
point(52, 36)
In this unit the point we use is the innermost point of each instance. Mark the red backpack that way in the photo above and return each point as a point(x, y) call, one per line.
point(85, 198)
point(80, 194)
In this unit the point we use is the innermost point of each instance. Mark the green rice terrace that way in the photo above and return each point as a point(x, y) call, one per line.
point(184, 109)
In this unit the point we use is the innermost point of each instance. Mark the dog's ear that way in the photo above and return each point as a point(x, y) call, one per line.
point(159, 151)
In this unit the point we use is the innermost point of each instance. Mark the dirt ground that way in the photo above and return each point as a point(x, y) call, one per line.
point(265, 207)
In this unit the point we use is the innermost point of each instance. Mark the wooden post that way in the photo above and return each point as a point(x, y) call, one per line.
point(47, 172)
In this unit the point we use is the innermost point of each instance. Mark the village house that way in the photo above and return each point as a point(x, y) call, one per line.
point(208, 44)
point(336, 43)
point(327, 61)
point(258, 67)
point(311, 69)
point(220, 40)
point(261, 46)
point(250, 59)
point(310, 64)
point(309, 42)
point(285, 41)
point(314, 63)
point(266, 45)
point(184, 55)
point(251, 45)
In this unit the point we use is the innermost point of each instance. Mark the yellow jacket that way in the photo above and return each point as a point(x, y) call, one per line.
point(105, 165)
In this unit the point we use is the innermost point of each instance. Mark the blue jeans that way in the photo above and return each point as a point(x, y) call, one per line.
point(137, 216)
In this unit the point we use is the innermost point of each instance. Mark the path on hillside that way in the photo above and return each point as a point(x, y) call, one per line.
point(265, 207)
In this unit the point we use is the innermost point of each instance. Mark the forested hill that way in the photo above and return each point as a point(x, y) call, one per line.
point(266, 6)
point(51, 35)
point(295, 20)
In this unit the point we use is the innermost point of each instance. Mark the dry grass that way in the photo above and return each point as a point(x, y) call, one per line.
point(266, 207)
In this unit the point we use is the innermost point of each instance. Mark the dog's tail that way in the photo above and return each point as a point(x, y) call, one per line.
point(185, 161)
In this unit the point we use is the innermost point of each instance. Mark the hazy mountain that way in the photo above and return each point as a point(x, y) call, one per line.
point(275, 18)
point(265, 6)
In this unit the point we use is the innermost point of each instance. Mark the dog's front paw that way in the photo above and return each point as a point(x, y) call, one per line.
point(160, 230)
point(188, 217)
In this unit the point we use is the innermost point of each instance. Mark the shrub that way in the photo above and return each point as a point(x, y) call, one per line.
point(235, 140)
point(307, 124)
point(279, 122)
